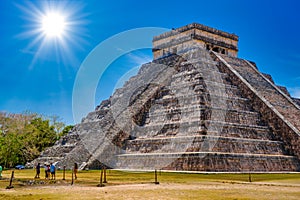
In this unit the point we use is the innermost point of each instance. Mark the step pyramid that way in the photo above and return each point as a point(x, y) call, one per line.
point(195, 107)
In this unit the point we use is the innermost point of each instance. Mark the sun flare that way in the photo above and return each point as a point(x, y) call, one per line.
point(53, 25)
point(54, 30)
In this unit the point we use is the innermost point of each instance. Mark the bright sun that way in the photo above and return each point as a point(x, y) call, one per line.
point(53, 24)
point(53, 28)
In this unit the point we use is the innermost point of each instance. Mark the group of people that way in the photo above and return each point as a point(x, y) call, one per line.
point(50, 169)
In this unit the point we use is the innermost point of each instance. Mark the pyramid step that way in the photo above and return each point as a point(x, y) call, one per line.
point(197, 95)
point(199, 71)
point(205, 127)
point(204, 143)
point(199, 113)
point(233, 103)
point(207, 123)
point(175, 154)
point(208, 161)
point(195, 72)
point(200, 89)
point(208, 135)
point(242, 118)
point(196, 108)
point(209, 85)
point(201, 75)
point(58, 150)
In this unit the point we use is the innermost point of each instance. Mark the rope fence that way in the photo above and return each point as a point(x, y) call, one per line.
point(110, 177)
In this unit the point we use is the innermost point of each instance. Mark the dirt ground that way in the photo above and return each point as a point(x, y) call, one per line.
point(140, 185)
point(161, 191)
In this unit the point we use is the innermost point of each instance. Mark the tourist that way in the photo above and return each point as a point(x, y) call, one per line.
point(75, 170)
point(46, 171)
point(52, 170)
point(38, 170)
point(0, 172)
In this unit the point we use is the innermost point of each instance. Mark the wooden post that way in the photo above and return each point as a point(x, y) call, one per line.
point(64, 173)
point(72, 177)
point(104, 175)
point(250, 180)
point(101, 178)
point(155, 176)
point(11, 179)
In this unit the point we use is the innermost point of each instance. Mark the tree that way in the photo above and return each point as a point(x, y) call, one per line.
point(57, 124)
point(10, 152)
point(24, 136)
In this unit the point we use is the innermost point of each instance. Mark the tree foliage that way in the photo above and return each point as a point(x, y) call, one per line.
point(24, 136)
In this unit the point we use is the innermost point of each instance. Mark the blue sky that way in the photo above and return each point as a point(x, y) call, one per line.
point(38, 74)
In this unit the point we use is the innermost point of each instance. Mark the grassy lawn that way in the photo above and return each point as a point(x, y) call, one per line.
point(130, 185)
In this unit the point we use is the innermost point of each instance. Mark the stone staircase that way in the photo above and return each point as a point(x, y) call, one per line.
point(202, 121)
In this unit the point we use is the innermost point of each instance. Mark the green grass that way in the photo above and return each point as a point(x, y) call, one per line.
point(133, 185)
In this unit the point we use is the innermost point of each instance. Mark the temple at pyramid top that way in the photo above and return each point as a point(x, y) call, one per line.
point(195, 35)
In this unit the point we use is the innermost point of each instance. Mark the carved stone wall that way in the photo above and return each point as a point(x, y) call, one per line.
point(203, 36)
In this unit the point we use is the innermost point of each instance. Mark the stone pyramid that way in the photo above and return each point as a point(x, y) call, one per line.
point(195, 107)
